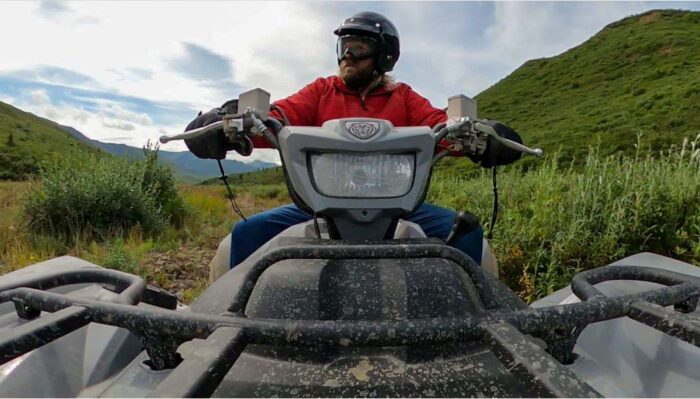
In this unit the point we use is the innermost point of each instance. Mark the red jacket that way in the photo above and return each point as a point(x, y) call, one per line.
point(329, 98)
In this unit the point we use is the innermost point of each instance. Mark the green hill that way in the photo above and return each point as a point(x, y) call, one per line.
point(26, 140)
point(638, 75)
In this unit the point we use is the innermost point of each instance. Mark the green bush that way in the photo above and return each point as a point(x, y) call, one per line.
point(555, 221)
point(95, 198)
point(15, 165)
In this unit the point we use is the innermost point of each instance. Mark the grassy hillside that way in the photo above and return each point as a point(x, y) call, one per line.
point(25, 140)
point(638, 75)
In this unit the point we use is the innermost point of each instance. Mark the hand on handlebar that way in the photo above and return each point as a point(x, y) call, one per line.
point(486, 142)
point(214, 144)
point(496, 153)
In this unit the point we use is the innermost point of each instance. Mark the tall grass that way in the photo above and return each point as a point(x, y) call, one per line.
point(556, 221)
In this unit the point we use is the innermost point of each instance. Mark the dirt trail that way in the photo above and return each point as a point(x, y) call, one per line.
point(186, 268)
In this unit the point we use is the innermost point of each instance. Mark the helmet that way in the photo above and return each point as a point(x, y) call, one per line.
point(378, 27)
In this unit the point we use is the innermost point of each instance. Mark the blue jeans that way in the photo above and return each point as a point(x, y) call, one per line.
point(248, 236)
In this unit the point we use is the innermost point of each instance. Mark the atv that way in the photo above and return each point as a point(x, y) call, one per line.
point(356, 302)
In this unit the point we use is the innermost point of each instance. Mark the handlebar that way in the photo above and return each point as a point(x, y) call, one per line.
point(473, 129)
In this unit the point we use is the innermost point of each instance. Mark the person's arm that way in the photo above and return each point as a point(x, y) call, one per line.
point(422, 113)
point(299, 109)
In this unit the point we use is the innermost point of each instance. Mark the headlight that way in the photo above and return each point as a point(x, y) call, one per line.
point(363, 175)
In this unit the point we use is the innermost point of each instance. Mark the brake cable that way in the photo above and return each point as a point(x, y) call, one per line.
point(494, 213)
point(236, 209)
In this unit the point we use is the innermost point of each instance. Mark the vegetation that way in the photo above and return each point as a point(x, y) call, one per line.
point(26, 139)
point(174, 257)
point(91, 198)
point(555, 221)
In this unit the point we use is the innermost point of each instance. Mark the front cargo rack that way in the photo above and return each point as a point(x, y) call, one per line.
point(506, 328)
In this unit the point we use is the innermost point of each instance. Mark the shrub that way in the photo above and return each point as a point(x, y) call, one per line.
point(96, 197)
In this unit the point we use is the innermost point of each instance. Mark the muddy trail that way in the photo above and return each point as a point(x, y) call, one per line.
point(180, 270)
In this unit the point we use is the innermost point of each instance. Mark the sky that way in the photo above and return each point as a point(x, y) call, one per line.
point(127, 71)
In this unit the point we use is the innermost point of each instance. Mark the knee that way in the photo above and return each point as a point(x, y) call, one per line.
point(472, 244)
point(244, 238)
point(243, 228)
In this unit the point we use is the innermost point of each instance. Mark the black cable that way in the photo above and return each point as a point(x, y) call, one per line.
point(494, 214)
point(234, 204)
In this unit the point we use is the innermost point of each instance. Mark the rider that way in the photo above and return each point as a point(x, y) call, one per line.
point(367, 48)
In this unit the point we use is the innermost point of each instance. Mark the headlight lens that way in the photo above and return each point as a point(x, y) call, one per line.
point(364, 175)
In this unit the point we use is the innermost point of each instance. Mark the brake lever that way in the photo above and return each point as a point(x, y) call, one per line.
point(482, 127)
point(192, 134)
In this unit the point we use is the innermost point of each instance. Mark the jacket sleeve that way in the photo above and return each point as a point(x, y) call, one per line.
point(299, 109)
point(421, 112)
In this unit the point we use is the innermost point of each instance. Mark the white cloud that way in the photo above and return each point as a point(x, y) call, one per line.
point(39, 97)
point(271, 45)
point(119, 125)
point(52, 8)
point(118, 112)
point(58, 11)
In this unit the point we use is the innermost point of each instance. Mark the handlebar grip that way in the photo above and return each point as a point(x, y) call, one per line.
point(193, 133)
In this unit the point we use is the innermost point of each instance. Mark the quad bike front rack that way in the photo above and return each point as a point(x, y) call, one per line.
point(507, 327)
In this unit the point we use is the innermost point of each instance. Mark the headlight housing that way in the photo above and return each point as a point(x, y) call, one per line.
point(373, 175)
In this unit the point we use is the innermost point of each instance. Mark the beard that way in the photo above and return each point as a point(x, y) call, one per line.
point(357, 78)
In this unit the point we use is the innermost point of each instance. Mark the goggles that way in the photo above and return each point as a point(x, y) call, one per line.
point(359, 47)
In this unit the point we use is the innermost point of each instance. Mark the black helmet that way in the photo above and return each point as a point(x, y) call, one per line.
point(378, 27)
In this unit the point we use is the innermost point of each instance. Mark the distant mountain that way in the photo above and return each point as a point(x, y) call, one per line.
point(25, 139)
point(188, 166)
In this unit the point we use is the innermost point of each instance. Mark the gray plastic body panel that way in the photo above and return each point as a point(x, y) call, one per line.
point(66, 366)
point(625, 358)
